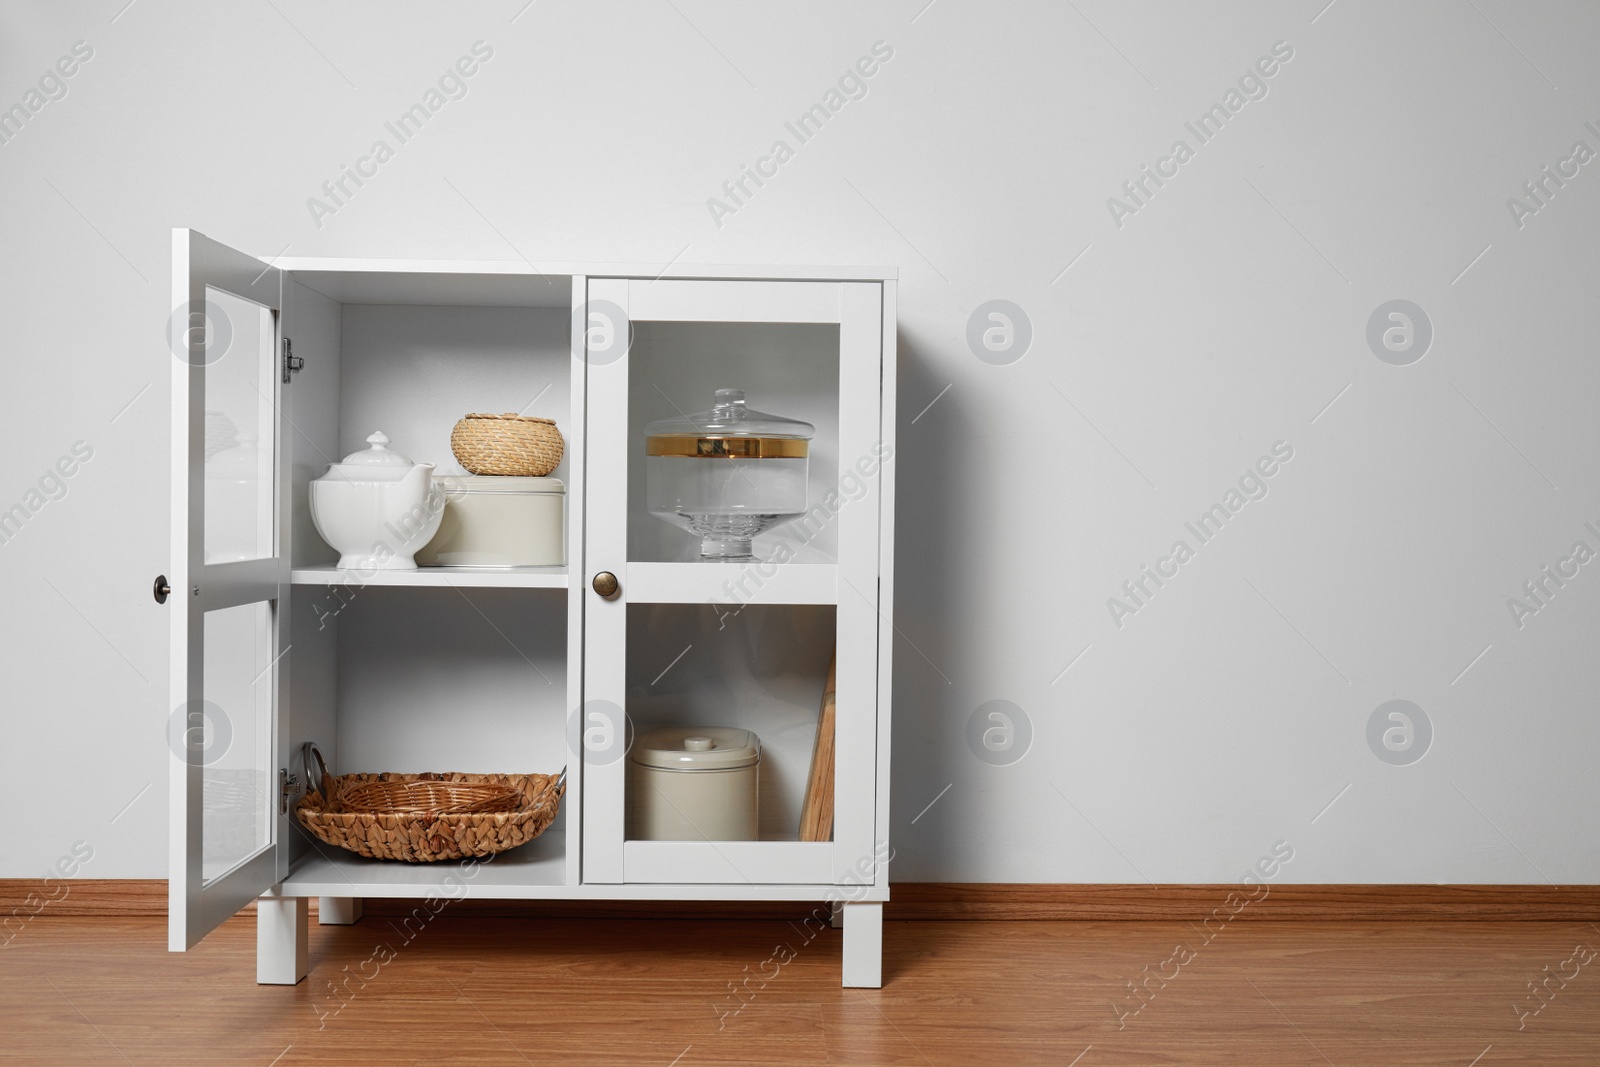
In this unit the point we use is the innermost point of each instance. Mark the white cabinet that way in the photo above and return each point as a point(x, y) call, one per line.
point(282, 368)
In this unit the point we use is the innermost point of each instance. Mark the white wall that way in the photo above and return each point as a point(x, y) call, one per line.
point(1223, 316)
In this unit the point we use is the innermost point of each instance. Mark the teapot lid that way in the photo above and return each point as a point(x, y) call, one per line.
point(376, 456)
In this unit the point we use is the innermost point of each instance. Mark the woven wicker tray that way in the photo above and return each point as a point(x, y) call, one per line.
point(428, 836)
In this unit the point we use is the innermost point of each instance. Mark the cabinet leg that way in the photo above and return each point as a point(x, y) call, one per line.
point(838, 915)
point(282, 925)
point(863, 945)
point(338, 911)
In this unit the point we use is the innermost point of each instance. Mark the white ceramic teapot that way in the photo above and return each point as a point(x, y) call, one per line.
point(377, 508)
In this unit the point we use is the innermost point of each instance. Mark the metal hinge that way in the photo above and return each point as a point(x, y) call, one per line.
point(287, 784)
point(291, 363)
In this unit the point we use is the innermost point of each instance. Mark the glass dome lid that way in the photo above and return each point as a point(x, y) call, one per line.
point(730, 429)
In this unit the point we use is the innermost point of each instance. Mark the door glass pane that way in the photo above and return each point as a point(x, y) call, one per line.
point(236, 803)
point(698, 670)
point(680, 505)
point(240, 371)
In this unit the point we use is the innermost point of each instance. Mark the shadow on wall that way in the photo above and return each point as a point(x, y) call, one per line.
point(928, 722)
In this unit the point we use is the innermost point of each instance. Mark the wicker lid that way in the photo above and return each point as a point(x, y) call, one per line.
point(696, 748)
point(510, 416)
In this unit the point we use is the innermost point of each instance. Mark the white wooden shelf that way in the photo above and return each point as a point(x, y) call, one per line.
point(440, 288)
point(331, 872)
point(728, 862)
point(536, 871)
point(438, 577)
point(732, 584)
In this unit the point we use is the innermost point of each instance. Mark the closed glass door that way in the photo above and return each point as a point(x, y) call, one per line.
point(731, 491)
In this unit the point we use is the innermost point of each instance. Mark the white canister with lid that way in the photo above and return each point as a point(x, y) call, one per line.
point(493, 521)
point(694, 783)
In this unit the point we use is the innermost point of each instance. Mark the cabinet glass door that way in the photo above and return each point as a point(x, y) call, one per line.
point(228, 639)
point(745, 552)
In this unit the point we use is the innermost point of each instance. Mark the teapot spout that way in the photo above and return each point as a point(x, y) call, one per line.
point(412, 511)
point(417, 480)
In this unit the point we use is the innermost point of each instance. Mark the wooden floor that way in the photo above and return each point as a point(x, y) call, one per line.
point(476, 990)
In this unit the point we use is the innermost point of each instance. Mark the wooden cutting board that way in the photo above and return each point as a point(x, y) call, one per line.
point(816, 815)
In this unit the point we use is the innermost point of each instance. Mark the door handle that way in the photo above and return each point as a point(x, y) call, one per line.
point(605, 583)
point(161, 589)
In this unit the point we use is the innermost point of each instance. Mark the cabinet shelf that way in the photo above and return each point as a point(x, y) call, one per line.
point(733, 584)
point(438, 577)
point(327, 872)
point(536, 871)
point(752, 862)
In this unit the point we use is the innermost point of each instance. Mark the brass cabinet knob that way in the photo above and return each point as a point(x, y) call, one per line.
point(605, 583)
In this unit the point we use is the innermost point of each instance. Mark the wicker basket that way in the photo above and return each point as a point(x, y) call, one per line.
point(367, 813)
point(416, 797)
point(509, 444)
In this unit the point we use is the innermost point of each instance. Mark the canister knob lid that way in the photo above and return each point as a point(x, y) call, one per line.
point(696, 748)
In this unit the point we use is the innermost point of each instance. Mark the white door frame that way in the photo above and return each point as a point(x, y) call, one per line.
point(194, 907)
point(851, 859)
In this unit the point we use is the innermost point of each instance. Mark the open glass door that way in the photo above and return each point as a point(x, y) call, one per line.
point(688, 644)
point(228, 636)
